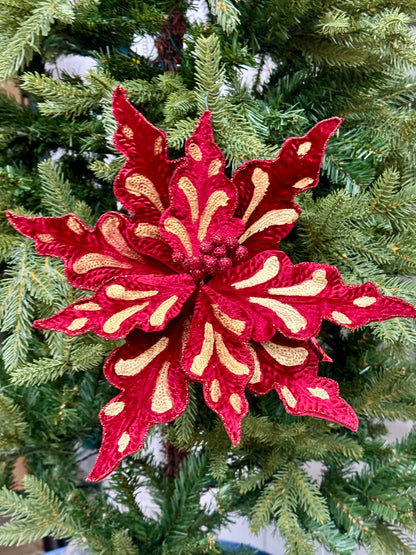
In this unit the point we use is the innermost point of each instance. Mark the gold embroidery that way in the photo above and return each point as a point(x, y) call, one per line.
point(128, 132)
point(364, 301)
point(201, 361)
point(94, 260)
point(111, 233)
point(140, 185)
point(114, 322)
point(288, 397)
point(113, 409)
point(133, 366)
point(117, 291)
point(195, 152)
point(304, 148)
point(290, 316)
point(256, 377)
point(318, 392)
point(77, 324)
point(307, 288)
point(123, 442)
point(45, 237)
point(217, 200)
point(235, 402)
point(147, 230)
point(188, 189)
point(87, 306)
point(270, 270)
point(227, 359)
point(261, 183)
point(74, 225)
point(302, 183)
point(235, 326)
point(158, 148)
point(215, 390)
point(172, 225)
point(159, 315)
point(161, 400)
point(214, 167)
point(340, 317)
point(288, 356)
point(274, 217)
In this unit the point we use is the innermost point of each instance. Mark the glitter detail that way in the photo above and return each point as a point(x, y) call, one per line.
point(304, 148)
point(111, 233)
point(140, 185)
point(133, 366)
point(340, 317)
point(231, 324)
point(87, 306)
point(214, 167)
point(235, 402)
point(117, 291)
point(158, 147)
point(270, 270)
point(307, 288)
point(174, 226)
point(159, 315)
point(318, 392)
point(195, 152)
point(261, 182)
point(290, 316)
point(94, 260)
point(287, 356)
point(274, 217)
point(123, 442)
point(256, 377)
point(45, 237)
point(227, 359)
point(188, 189)
point(114, 322)
point(288, 397)
point(201, 361)
point(77, 324)
point(128, 132)
point(302, 183)
point(217, 200)
point(161, 400)
point(74, 225)
point(147, 230)
point(364, 301)
point(113, 409)
point(215, 390)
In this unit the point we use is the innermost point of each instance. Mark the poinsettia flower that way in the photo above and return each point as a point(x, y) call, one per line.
point(194, 280)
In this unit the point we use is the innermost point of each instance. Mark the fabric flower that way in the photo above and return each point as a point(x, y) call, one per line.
point(194, 280)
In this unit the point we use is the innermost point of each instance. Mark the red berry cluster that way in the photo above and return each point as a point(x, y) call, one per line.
point(217, 254)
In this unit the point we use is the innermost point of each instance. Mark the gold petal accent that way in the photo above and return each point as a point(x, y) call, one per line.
point(114, 322)
point(147, 230)
point(133, 366)
point(235, 326)
point(161, 400)
point(113, 409)
point(256, 377)
point(128, 132)
point(290, 316)
point(318, 392)
point(302, 183)
point(201, 361)
point(77, 324)
point(214, 167)
point(215, 390)
point(288, 397)
point(274, 217)
point(159, 315)
point(123, 442)
point(364, 301)
point(45, 237)
point(307, 288)
point(195, 152)
point(227, 359)
point(140, 185)
point(270, 270)
point(304, 148)
point(174, 226)
point(261, 183)
point(74, 225)
point(287, 356)
point(94, 260)
point(188, 189)
point(111, 233)
point(340, 317)
point(235, 402)
point(217, 200)
point(158, 148)
point(87, 306)
point(117, 291)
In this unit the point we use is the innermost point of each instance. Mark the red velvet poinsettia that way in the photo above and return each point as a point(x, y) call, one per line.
point(194, 281)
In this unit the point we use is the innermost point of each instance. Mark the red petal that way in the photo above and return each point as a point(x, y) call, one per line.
point(291, 368)
point(142, 184)
point(154, 390)
point(122, 304)
point(267, 188)
point(203, 199)
point(216, 355)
